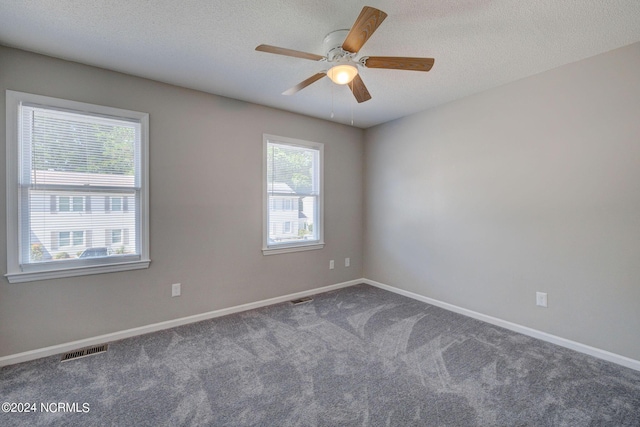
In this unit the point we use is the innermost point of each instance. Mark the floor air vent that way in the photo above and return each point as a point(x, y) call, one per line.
point(301, 300)
point(84, 352)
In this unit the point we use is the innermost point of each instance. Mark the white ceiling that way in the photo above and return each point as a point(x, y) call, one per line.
point(209, 45)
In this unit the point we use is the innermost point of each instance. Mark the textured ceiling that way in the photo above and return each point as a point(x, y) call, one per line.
point(209, 45)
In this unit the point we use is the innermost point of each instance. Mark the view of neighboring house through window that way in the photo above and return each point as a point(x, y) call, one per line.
point(73, 156)
point(293, 195)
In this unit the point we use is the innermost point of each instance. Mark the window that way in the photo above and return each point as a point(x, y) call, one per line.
point(63, 204)
point(69, 204)
point(62, 156)
point(78, 203)
point(293, 195)
point(64, 239)
point(116, 204)
point(69, 238)
point(78, 238)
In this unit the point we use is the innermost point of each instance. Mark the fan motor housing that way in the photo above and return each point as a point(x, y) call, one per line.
point(332, 45)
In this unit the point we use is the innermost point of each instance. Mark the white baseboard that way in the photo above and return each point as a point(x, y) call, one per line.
point(573, 345)
point(63, 348)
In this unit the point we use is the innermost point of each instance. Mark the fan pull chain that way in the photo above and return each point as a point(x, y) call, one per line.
point(352, 113)
point(351, 86)
point(332, 101)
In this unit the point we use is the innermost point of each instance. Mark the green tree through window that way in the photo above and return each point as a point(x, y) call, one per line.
point(60, 144)
point(295, 167)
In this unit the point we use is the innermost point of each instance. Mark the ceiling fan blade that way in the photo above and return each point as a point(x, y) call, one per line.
point(359, 89)
point(289, 52)
point(304, 84)
point(398, 63)
point(369, 20)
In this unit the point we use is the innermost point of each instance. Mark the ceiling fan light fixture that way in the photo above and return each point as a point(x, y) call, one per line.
point(342, 74)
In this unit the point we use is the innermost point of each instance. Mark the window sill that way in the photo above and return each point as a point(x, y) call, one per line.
point(287, 249)
point(32, 276)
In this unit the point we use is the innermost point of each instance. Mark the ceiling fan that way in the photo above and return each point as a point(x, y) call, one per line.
point(342, 46)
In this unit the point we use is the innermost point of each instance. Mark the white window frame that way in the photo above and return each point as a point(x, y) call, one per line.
point(15, 272)
point(318, 221)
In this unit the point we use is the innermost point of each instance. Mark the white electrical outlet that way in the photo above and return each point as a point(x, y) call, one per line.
point(541, 299)
point(347, 262)
point(332, 265)
point(175, 290)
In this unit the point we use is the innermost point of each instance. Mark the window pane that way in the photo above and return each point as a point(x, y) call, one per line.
point(293, 194)
point(78, 204)
point(99, 228)
point(75, 153)
point(64, 238)
point(78, 238)
point(86, 145)
point(116, 203)
point(63, 204)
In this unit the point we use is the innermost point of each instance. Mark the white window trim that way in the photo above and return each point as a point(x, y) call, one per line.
point(14, 272)
point(295, 246)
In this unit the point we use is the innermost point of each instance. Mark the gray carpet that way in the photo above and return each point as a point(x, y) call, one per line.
point(358, 356)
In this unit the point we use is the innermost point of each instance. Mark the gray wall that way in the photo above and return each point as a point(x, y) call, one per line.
point(205, 203)
point(533, 186)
